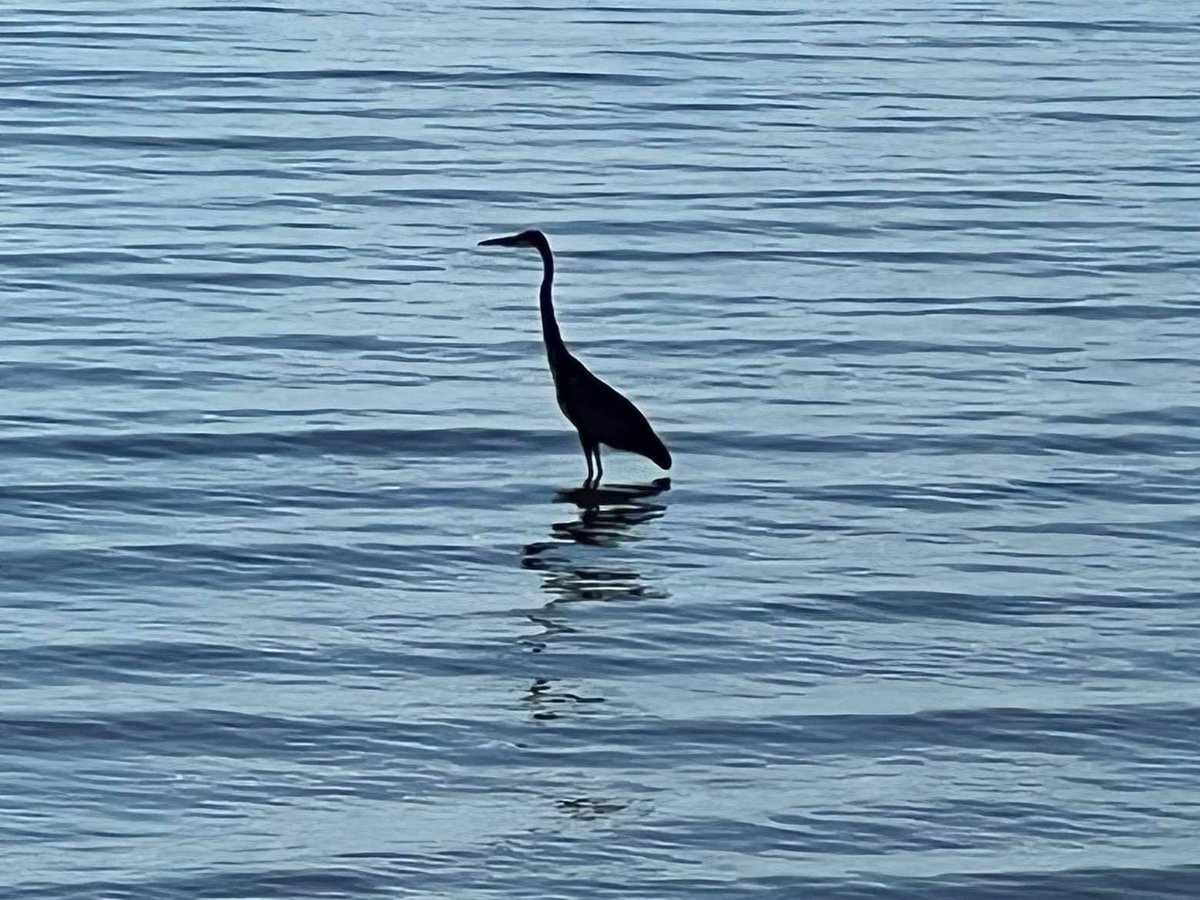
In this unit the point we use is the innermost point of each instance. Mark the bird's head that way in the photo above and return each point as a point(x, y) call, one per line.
point(529, 238)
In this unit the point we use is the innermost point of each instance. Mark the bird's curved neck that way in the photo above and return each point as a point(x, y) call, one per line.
point(550, 333)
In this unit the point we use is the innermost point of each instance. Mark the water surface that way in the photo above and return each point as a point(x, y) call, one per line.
point(299, 600)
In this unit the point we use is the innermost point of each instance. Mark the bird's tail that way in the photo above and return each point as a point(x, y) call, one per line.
point(658, 453)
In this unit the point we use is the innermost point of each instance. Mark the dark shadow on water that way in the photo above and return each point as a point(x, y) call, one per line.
point(572, 561)
point(581, 560)
point(542, 699)
point(571, 570)
point(607, 515)
point(590, 808)
point(591, 497)
point(607, 518)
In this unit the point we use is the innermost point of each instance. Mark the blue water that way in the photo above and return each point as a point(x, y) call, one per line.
point(298, 600)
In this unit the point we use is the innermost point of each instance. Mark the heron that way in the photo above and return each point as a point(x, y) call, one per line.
point(600, 413)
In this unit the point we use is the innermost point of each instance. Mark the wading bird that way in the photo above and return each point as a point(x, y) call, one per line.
point(599, 413)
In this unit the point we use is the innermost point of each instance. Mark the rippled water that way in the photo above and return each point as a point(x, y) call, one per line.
point(298, 600)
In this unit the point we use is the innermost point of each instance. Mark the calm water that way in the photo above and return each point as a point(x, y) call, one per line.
point(297, 600)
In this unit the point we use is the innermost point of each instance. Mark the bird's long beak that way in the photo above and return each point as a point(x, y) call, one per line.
point(501, 241)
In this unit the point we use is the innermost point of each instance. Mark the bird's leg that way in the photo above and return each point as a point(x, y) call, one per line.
point(599, 466)
point(587, 454)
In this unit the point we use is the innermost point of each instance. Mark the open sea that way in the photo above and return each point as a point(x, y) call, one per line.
point(298, 598)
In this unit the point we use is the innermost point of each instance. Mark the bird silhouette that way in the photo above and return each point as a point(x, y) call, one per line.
point(600, 413)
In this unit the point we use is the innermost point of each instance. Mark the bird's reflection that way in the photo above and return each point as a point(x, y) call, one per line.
point(590, 808)
point(606, 518)
point(576, 563)
point(607, 515)
point(542, 698)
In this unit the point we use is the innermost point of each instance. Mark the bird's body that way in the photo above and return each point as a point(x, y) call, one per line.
point(600, 413)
